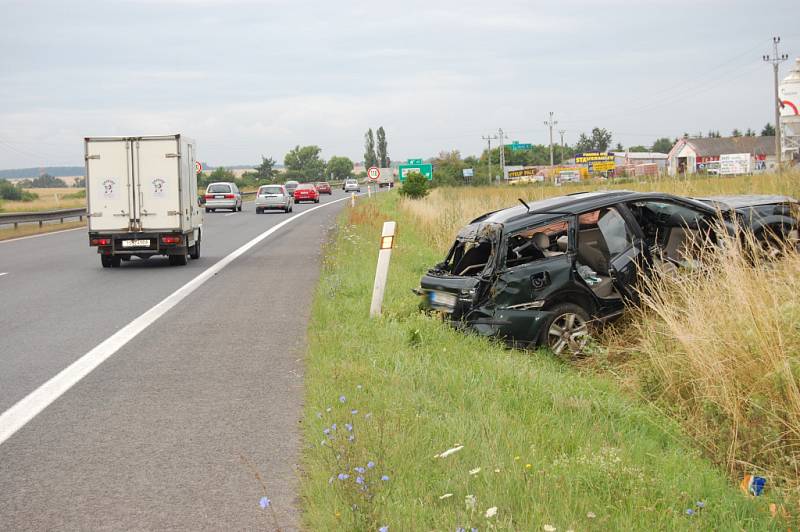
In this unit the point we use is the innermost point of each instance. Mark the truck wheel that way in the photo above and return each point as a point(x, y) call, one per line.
point(566, 332)
point(116, 262)
point(178, 260)
point(194, 251)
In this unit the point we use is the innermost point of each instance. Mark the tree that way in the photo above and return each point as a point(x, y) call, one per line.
point(714, 134)
point(638, 149)
point(220, 173)
point(79, 183)
point(736, 133)
point(662, 145)
point(339, 168)
point(749, 133)
point(383, 158)
point(370, 159)
point(307, 161)
point(619, 147)
point(599, 141)
point(266, 170)
point(768, 131)
point(448, 169)
point(415, 186)
point(47, 181)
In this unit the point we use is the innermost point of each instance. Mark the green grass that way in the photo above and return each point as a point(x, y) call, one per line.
point(554, 446)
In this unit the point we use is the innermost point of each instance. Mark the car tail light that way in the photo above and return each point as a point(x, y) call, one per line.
point(209, 196)
point(100, 242)
point(229, 196)
point(171, 239)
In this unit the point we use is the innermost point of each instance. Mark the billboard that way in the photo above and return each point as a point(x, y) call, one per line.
point(734, 163)
point(597, 161)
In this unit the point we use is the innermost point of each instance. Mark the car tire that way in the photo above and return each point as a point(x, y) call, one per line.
point(178, 260)
point(208, 210)
point(259, 210)
point(194, 251)
point(240, 207)
point(566, 332)
point(213, 210)
point(316, 200)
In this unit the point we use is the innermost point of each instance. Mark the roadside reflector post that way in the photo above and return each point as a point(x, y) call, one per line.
point(369, 191)
point(382, 271)
point(352, 199)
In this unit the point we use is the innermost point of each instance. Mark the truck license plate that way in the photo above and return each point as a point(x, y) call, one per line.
point(136, 243)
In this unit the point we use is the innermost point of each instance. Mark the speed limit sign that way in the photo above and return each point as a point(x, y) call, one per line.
point(198, 167)
point(373, 173)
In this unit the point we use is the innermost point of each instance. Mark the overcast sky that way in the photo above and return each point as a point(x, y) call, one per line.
point(252, 77)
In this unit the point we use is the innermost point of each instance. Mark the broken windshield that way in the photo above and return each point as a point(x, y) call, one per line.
point(473, 251)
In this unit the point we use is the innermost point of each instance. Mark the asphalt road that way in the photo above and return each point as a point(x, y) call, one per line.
point(175, 429)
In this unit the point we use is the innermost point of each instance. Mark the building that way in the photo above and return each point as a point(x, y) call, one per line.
point(702, 155)
point(637, 164)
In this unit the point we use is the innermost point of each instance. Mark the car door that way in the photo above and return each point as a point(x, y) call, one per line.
point(531, 272)
point(625, 249)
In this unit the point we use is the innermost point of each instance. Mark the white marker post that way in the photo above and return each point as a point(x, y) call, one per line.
point(382, 271)
point(369, 191)
point(352, 199)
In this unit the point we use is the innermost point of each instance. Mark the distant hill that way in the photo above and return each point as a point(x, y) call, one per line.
point(55, 171)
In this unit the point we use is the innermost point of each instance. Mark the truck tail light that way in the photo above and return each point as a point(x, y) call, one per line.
point(171, 239)
point(229, 196)
point(100, 242)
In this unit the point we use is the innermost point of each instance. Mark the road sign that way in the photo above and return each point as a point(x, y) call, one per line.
point(467, 172)
point(414, 161)
point(198, 167)
point(373, 173)
point(516, 146)
point(424, 169)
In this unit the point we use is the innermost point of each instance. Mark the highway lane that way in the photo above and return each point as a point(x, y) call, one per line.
point(167, 433)
point(57, 302)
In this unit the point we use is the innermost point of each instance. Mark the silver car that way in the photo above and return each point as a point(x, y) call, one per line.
point(223, 196)
point(273, 197)
point(351, 185)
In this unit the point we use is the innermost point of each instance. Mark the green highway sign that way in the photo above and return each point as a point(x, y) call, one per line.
point(424, 169)
point(516, 146)
point(414, 161)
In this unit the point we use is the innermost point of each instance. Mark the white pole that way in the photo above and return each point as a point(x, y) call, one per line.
point(352, 199)
point(369, 191)
point(382, 271)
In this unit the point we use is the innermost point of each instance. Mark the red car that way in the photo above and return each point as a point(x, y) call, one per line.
point(306, 192)
point(324, 187)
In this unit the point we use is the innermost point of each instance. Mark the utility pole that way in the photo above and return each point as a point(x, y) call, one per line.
point(563, 147)
point(776, 59)
point(502, 153)
point(489, 138)
point(550, 123)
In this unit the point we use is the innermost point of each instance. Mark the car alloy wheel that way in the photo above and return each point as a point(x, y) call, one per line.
point(568, 333)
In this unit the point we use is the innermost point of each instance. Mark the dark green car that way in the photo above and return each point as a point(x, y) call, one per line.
point(542, 273)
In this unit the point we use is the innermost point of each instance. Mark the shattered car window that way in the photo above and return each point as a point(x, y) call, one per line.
point(473, 250)
point(537, 243)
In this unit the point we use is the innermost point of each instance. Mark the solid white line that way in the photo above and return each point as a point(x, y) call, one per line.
point(42, 234)
point(31, 405)
point(2, 274)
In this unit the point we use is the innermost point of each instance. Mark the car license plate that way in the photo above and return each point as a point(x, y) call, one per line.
point(136, 243)
point(219, 196)
point(442, 300)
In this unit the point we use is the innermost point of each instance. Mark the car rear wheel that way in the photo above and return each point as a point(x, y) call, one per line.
point(208, 210)
point(240, 207)
point(566, 332)
point(259, 210)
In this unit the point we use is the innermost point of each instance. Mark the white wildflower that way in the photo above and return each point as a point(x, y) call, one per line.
point(446, 496)
point(471, 501)
point(448, 452)
point(475, 471)
point(591, 515)
point(491, 512)
point(549, 528)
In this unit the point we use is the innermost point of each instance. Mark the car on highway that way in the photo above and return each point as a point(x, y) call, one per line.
point(223, 195)
point(273, 197)
point(544, 273)
point(291, 186)
point(351, 185)
point(323, 187)
point(306, 192)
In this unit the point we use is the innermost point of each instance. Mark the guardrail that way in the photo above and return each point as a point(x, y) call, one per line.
point(17, 218)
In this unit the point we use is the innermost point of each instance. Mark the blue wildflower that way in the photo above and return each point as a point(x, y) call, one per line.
point(343, 476)
point(461, 529)
point(354, 412)
point(342, 398)
point(326, 431)
point(383, 529)
point(700, 504)
point(385, 478)
point(359, 480)
point(349, 427)
point(359, 469)
point(264, 502)
point(333, 427)
point(351, 438)
point(689, 512)
point(370, 464)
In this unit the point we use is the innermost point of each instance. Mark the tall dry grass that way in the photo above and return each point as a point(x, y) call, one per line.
point(48, 199)
point(445, 210)
point(719, 347)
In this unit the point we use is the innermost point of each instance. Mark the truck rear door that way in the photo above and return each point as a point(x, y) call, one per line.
point(108, 184)
point(158, 183)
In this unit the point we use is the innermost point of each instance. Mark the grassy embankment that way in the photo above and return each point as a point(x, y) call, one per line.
point(48, 199)
point(542, 443)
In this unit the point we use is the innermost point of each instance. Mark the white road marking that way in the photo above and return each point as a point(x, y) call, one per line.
point(2, 274)
point(35, 402)
point(230, 214)
point(42, 234)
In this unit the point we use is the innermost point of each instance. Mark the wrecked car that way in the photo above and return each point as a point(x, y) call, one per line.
point(542, 274)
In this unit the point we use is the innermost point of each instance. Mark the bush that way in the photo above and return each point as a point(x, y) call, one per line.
point(12, 192)
point(415, 186)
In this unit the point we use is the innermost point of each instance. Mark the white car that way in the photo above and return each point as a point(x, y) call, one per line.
point(273, 197)
point(351, 185)
point(223, 196)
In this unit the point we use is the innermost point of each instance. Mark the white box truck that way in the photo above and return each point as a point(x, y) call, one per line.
point(141, 195)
